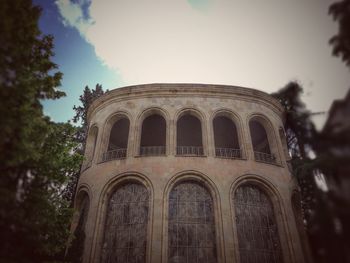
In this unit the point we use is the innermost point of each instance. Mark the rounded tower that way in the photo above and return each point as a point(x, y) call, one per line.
point(187, 173)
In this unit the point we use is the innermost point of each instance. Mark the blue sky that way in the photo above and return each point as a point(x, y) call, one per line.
point(76, 60)
point(256, 44)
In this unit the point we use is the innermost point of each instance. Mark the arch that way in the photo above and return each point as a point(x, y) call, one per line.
point(263, 139)
point(278, 215)
point(190, 213)
point(227, 134)
point(75, 251)
point(119, 180)
point(152, 145)
point(283, 139)
point(190, 133)
point(116, 137)
point(90, 146)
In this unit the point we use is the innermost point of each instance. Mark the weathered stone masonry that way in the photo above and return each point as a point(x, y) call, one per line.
point(187, 173)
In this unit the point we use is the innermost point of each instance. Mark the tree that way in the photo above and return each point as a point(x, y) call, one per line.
point(300, 135)
point(329, 240)
point(341, 42)
point(86, 99)
point(36, 155)
point(75, 250)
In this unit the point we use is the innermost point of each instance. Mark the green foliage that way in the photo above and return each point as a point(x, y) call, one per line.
point(86, 99)
point(341, 42)
point(88, 96)
point(75, 251)
point(37, 156)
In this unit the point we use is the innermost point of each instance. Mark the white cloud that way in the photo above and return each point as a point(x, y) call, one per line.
point(262, 45)
point(73, 16)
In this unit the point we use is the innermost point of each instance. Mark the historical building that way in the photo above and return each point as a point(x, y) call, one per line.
point(188, 173)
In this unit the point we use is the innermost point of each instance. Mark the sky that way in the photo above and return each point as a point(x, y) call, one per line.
point(250, 43)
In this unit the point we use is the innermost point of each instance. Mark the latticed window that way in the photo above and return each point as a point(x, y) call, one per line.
point(256, 226)
point(191, 224)
point(125, 233)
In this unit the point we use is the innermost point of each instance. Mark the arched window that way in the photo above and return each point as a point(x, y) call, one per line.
point(90, 147)
point(153, 136)
point(260, 141)
point(189, 136)
point(118, 140)
point(76, 249)
point(191, 231)
point(226, 138)
point(258, 238)
point(125, 232)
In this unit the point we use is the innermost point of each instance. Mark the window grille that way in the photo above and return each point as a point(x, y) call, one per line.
point(256, 226)
point(125, 233)
point(191, 225)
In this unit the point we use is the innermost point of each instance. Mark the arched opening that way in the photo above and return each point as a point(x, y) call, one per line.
point(153, 136)
point(226, 138)
point(257, 232)
point(90, 147)
point(189, 136)
point(191, 229)
point(118, 140)
point(260, 142)
point(76, 249)
point(126, 224)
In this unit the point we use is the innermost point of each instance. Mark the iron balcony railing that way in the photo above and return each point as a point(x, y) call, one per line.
point(189, 150)
point(152, 151)
point(228, 153)
point(114, 155)
point(264, 157)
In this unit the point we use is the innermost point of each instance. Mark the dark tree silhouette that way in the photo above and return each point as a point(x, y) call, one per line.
point(340, 12)
point(300, 135)
point(35, 154)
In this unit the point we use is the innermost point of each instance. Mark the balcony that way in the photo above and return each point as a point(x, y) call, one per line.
point(114, 155)
point(228, 153)
point(189, 151)
point(264, 157)
point(152, 151)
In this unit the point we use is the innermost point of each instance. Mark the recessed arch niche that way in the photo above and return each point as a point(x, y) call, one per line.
point(256, 225)
point(125, 233)
point(191, 223)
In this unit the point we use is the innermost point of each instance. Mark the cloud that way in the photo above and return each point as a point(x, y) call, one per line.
point(262, 45)
point(73, 15)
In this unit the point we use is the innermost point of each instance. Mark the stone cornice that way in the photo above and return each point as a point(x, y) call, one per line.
point(185, 89)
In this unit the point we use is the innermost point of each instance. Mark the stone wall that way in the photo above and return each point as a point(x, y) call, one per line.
point(159, 174)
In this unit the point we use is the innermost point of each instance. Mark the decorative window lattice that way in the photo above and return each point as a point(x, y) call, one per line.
point(191, 225)
point(125, 232)
point(256, 226)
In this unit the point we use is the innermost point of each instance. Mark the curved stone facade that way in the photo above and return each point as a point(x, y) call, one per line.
point(195, 188)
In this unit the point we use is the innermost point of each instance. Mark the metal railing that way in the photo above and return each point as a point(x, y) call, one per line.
point(228, 153)
point(264, 157)
point(114, 155)
point(189, 150)
point(152, 151)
